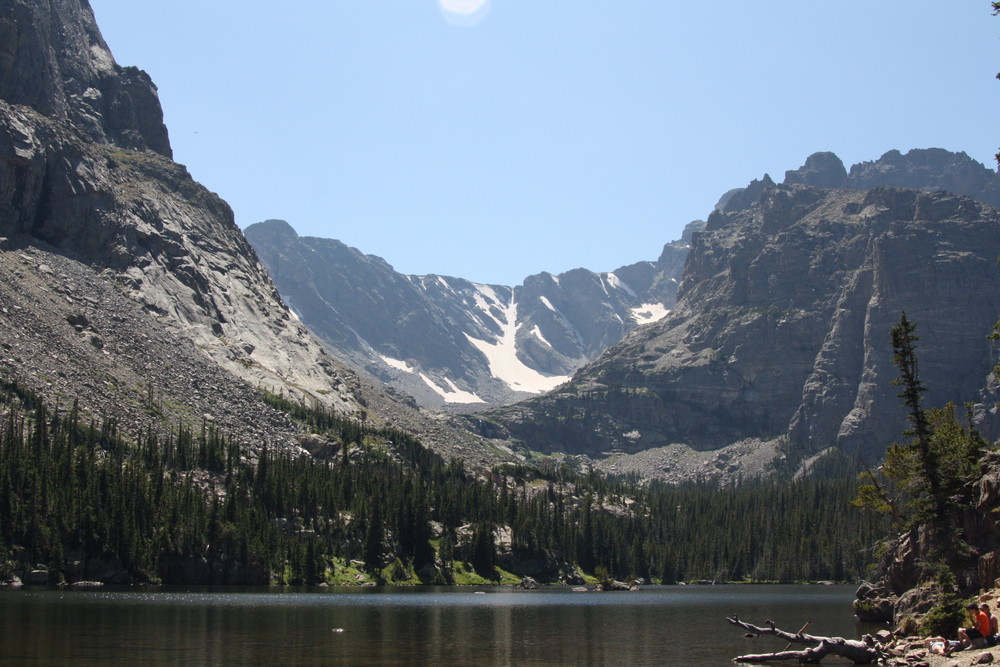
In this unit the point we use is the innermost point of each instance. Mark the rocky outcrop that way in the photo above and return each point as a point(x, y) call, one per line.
point(94, 182)
point(780, 331)
point(933, 169)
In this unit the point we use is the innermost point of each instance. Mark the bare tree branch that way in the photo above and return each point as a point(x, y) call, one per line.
point(860, 652)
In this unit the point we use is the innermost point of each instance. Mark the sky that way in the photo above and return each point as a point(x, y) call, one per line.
point(495, 139)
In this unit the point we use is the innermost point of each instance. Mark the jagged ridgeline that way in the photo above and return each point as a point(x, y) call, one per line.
point(79, 501)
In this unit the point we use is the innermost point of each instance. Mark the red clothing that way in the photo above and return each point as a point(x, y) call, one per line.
point(983, 623)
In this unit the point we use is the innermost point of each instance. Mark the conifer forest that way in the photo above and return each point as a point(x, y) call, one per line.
point(194, 507)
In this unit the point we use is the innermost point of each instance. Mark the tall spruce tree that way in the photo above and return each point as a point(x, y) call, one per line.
point(922, 482)
point(904, 339)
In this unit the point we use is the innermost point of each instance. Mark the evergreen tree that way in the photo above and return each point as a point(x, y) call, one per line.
point(922, 482)
point(904, 340)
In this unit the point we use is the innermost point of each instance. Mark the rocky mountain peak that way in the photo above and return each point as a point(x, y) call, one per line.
point(85, 171)
point(919, 169)
point(454, 343)
point(824, 170)
point(54, 60)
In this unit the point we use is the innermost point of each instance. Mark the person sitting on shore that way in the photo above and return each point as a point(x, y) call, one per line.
point(980, 626)
point(991, 638)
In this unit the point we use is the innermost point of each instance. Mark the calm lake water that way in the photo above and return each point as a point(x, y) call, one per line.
point(674, 625)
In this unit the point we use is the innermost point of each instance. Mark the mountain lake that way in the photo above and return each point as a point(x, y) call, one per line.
point(658, 625)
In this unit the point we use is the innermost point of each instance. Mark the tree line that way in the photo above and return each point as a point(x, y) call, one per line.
point(150, 506)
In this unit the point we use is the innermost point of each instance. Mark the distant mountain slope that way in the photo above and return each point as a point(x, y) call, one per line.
point(779, 341)
point(125, 283)
point(450, 342)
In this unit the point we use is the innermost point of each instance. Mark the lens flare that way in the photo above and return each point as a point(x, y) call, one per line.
point(464, 12)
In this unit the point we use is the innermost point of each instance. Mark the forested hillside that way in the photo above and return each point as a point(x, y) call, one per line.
point(84, 502)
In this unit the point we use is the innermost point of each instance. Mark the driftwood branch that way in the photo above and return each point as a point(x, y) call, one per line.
point(860, 652)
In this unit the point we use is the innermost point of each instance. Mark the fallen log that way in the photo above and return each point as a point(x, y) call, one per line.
point(865, 651)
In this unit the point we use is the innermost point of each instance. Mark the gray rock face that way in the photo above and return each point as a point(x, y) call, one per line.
point(929, 169)
point(54, 60)
point(171, 244)
point(781, 329)
point(453, 343)
point(824, 170)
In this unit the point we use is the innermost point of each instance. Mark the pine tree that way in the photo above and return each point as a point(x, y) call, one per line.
point(904, 340)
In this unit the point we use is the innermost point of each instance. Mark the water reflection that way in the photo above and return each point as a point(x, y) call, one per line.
point(405, 626)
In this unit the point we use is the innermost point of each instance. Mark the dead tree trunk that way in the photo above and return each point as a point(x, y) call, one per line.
point(860, 652)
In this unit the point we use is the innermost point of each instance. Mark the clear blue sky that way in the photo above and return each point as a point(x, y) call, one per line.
point(544, 135)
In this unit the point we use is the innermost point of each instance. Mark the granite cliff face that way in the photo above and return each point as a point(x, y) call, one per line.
point(124, 282)
point(779, 341)
point(453, 343)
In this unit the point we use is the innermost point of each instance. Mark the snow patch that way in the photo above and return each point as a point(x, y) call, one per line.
point(649, 312)
point(547, 304)
point(618, 283)
point(397, 364)
point(604, 284)
point(503, 361)
point(486, 300)
point(451, 393)
point(537, 333)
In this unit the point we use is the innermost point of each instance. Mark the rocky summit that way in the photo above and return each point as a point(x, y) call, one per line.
point(778, 346)
point(933, 169)
point(123, 282)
